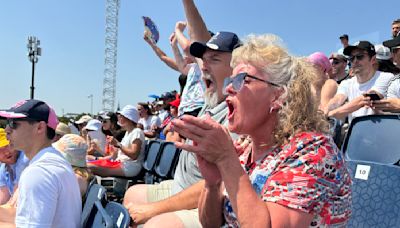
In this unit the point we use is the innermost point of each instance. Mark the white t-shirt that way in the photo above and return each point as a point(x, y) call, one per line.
point(49, 194)
point(149, 122)
point(394, 87)
point(128, 139)
point(192, 96)
point(352, 89)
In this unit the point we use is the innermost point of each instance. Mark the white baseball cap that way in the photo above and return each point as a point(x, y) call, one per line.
point(93, 125)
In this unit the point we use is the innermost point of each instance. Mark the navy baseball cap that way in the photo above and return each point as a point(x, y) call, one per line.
point(221, 41)
point(363, 45)
point(34, 110)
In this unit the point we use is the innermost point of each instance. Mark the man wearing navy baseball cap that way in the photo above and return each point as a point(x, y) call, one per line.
point(49, 194)
point(178, 206)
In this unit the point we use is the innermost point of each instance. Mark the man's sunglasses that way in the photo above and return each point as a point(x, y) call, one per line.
point(237, 81)
point(359, 57)
point(336, 61)
point(14, 123)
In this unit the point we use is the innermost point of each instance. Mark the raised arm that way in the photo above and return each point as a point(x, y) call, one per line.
point(182, 65)
point(163, 57)
point(197, 28)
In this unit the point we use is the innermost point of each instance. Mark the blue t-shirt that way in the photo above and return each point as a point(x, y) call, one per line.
point(8, 180)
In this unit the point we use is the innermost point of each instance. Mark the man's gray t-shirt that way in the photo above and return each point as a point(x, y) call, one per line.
point(187, 171)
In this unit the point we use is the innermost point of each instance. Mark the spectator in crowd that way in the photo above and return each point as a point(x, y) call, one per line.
point(96, 139)
point(73, 148)
point(247, 191)
point(344, 39)
point(392, 103)
point(170, 134)
point(110, 126)
point(130, 154)
point(363, 60)
point(339, 63)
point(81, 123)
point(323, 87)
point(150, 122)
point(384, 60)
point(174, 202)
point(163, 110)
point(12, 163)
point(61, 130)
point(395, 28)
point(48, 193)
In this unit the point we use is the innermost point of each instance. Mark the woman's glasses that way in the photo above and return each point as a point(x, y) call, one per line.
point(237, 81)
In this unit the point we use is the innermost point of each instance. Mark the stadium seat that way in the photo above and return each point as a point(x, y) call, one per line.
point(373, 138)
point(151, 158)
point(375, 194)
point(96, 193)
point(164, 165)
point(112, 215)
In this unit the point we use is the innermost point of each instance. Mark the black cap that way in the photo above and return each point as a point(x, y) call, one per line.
point(345, 36)
point(167, 95)
point(395, 42)
point(363, 45)
point(222, 41)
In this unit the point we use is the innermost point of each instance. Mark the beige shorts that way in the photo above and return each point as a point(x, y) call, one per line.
point(158, 192)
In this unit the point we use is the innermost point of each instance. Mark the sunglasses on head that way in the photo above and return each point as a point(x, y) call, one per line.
point(237, 81)
point(359, 57)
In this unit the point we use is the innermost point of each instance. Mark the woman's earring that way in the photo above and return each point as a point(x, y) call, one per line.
point(271, 110)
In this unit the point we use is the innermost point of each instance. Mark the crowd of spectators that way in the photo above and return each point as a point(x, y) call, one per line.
point(252, 121)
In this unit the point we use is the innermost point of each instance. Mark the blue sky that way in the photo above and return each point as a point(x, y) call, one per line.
point(72, 37)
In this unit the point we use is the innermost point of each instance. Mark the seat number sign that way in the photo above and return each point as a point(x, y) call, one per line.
point(362, 172)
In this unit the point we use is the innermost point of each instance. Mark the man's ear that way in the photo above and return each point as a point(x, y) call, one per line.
point(41, 127)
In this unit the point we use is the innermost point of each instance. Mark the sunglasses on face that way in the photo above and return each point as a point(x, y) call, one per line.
point(335, 62)
point(359, 57)
point(237, 81)
point(395, 50)
point(14, 124)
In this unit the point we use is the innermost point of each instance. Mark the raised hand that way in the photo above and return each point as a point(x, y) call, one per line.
point(211, 140)
point(181, 25)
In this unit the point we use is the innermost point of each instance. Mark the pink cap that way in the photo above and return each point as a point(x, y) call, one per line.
point(320, 59)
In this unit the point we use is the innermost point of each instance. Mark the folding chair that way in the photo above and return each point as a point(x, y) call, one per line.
point(96, 193)
point(112, 215)
point(373, 138)
point(151, 158)
point(164, 166)
point(375, 194)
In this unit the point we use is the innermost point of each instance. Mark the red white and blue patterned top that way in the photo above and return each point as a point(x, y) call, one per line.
point(307, 174)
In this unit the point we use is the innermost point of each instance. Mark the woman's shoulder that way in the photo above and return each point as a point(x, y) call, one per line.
point(310, 143)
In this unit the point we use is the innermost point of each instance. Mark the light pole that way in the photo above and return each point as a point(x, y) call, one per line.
point(33, 52)
point(91, 103)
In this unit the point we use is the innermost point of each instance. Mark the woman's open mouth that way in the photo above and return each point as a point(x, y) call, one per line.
point(231, 109)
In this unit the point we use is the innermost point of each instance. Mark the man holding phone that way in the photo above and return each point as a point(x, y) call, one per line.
point(360, 90)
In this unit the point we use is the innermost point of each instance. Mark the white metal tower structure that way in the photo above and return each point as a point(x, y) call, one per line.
point(110, 54)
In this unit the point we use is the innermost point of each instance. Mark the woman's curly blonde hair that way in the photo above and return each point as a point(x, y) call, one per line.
point(299, 107)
